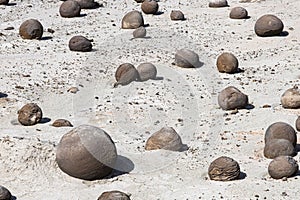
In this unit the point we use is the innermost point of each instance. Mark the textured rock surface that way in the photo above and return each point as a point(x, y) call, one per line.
point(80, 43)
point(279, 147)
point(281, 130)
point(232, 98)
point(132, 20)
point(283, 166)
point(227, 62)
point(187, 59)
point(268, 25)
point(31, 29)
point(114, 195)
point(224, 169)
point(70, 9)
point(291, 98)
point(30, 114)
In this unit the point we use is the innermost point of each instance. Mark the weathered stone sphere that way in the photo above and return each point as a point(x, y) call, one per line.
point(31, 29)
point(146, 71)
point(187, 59)
point(279, 147)
point(268, 25)
point(87, 4)
point(281, 130)
point(132, 20)
point(30, 114)
point(149, 7)
point(125, 74)
point(227, 62)
point(4, 2)
point(291, 98)
point(86, 152)
point(176, 15)
point(80, 43)
point(166, 138)
point(114, 195)
point(217, 3)
point(238, 13)
point(70, 9)
point(232, 98)
point(298, 124)
point(4, 193)
point(224, 169)
point(283, 166)
point(139, 32)
point(62, 123)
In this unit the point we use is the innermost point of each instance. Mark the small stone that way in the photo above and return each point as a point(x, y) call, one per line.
point(73, 90)
point(30, 114)
point(177, 15)
point(139, 32)
point(80, 44)
point(224, 169)
point(238, 13)
point(114, 195)
point(283, 166)
point(62, 123)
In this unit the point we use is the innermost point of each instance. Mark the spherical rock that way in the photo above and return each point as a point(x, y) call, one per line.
point(232, 98)
point(283, 166)
point(62, 123)
point(146, 71)
point(139, 32)
point(80, 43)
point(291, 98)
point(4, 2)
point(227, 62)
point(238, 13)
point(298, 123)
point(279, 147)
point(132, 20)
point(217, 3)
point(166, 138)
point(224, 169)
point(281, 130)
point(4, 193)
point(31, 29)
point(30, 114)
point(86, 152)
point(114, 195)
point(87, 4)
point(186, 58)
point(125, 74)
point(176, 15)
point(70, 9)
point(268, 25)
point(149, 7)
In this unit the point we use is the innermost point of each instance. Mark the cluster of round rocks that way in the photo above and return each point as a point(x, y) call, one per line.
point(79, 153)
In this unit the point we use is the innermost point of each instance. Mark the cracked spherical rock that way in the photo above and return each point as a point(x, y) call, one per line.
point(279, 147)
point(31, 29)
point(125, 74)
point(80, 43)
point(224, 169)
point(149, 7)
point(86, 152)
point(146, 71)
point(268, 25)
point(187, 59)
point(114, 195)
point(232, 98)
point(227, 63)
point(291, 98)
point(69, 9)
point(4, 193)
point(166, 138)
point(217, 3)
point(281, 130)
point(283, 166)
point(176, 15)
point(238, 13)
point(30, 114)
point(132, 20)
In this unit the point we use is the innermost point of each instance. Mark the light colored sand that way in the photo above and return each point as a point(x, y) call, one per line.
point(131, 113)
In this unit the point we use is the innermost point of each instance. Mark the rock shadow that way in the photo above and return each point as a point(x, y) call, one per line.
point(44, 120)
point(123, 166)
point(3, 95)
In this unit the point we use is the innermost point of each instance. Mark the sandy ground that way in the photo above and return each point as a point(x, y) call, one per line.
point(42, 72)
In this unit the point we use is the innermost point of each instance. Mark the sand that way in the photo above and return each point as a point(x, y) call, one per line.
point(185, 99)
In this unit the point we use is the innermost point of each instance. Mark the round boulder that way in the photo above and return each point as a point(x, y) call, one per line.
point(149, 7)
point(291, 98)
point(125, 74)
point(86, 152)
point(283, 166)
point(238, 13)
point(132, 20)
point(224, 169)
point(217, 3)
point(31, 29)
point(279, 147)
point(281, 130)
point(62, 123)
point(187, 59)
point(80, 43)
point(139, 32)
point(232, 98)
point(69, 9)
point(114, 195)
point(30, 114)
point(4, 193)
point(227, 62)
point(177, 15)
point(268, 25)
point(146, 71)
